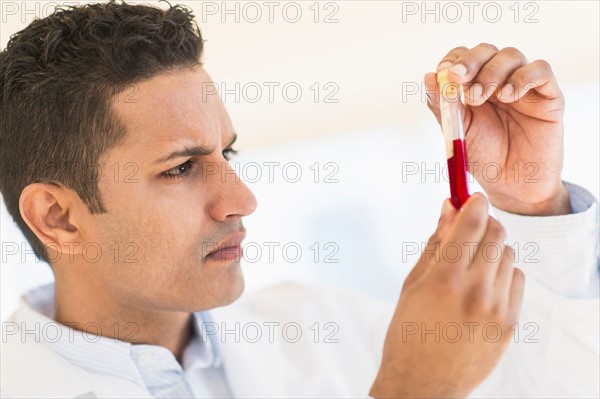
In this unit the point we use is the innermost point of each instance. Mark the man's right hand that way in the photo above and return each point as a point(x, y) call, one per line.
point(456, 309)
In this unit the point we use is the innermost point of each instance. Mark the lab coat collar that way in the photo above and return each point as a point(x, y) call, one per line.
point(253, 370)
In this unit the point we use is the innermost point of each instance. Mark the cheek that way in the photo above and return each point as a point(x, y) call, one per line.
point(158, 242)
point(154, 241)
point(154, 235)
point(159, 221)
point(144, 261)
point(166, 271)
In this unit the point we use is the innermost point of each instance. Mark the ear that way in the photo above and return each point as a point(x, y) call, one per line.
point(46, 208)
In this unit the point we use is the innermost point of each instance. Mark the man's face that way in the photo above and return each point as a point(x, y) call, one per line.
point(171, 198)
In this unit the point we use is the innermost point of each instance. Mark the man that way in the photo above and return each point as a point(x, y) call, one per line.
point(84, 170)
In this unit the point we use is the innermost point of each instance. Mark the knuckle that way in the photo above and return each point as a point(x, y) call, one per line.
point(443, 219)
point(434, 238)
point(512, 51)
point(496, 231)
point(542, 64)
point(509, 255)
point(459, 50)
point(458, 54)
point(474, 222)
point(447, 283)
point(478, 301)
point(479, 202)
point(507, 331)
point(469, 60)
point(487, 46)
point(496, 313)
point(518, 275)
point(447, 59)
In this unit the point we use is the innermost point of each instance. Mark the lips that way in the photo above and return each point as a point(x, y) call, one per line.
point(228, 250)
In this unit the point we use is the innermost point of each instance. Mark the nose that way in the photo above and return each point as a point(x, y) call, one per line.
point(231, 197)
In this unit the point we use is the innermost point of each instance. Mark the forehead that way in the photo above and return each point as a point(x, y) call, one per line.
point(178, 106)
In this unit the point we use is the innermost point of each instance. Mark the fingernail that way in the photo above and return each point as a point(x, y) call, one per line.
point(447, 207)
point(459, 69)
point(507, 92)
point(480, 197)
point(475, 93)
point(429, 98)
point(444, 65)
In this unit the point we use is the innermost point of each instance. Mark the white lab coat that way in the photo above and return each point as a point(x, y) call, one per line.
point(563, 363)
point(556, 353)
point(282, 368)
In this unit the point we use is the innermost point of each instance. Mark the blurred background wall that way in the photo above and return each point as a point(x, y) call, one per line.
point(335, 138)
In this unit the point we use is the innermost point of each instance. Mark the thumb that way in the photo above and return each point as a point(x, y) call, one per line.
point(447, 216)
point(433, 95)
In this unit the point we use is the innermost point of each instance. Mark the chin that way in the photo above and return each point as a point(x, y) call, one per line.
point(234, 287)
point(219, 290)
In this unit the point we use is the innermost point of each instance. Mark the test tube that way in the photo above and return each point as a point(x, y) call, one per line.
point(452, 128)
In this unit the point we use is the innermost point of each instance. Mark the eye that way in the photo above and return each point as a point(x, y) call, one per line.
point(179, 171)
point(228, 153)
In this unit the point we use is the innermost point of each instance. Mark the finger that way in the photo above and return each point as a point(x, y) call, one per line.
point(504, 277)
point(447, 216)
point(493, 75)
point(516, 296)
point(488, 255)
point(451, 57)
point(536, 76)
point(470, 225)
point(467, 66)
point(433, 97)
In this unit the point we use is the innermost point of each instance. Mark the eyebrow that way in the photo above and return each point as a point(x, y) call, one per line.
point(194, 151)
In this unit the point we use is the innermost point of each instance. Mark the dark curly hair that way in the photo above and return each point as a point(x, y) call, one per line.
point(58, 77)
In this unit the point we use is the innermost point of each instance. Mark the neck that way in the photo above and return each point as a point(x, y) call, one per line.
point(87, 310)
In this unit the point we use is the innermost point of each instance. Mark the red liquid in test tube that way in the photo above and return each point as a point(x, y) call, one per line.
point(457, 174)
point(454, 138)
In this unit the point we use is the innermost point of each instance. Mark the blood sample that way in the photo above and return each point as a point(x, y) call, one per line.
point(454, 137)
